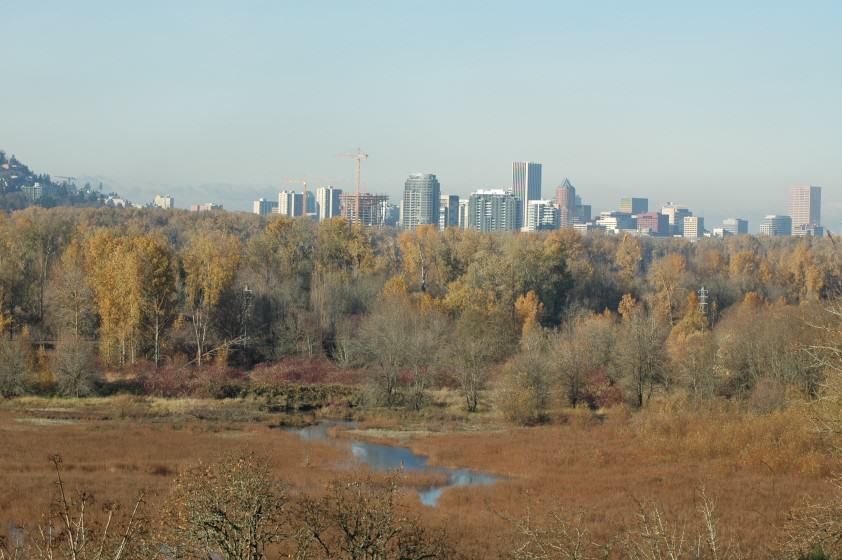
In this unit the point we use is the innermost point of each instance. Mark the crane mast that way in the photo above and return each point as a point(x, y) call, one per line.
point(359, 156)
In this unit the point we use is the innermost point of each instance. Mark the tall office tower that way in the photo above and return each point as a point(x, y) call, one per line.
point(654, 223)
point(371, 208)
point(541, 215)
point(694, 227)
point(263, 207)
point(463, 213)
point(421, 198)
point(676, 214)
point(290, 203)
point(735, 226)
point(526, 183)
point(805, 208)
point(166, 202)
point(774, 224)
point(449, 211)
point(328, 202)
point(494, 210)
point(633, 205)
point(565, 198)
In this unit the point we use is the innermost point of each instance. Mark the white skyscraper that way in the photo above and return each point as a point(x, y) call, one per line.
point(805, 208)
point(328, 202)
point(526, 184)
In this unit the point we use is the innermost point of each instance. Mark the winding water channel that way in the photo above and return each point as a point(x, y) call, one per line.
point(381, 457)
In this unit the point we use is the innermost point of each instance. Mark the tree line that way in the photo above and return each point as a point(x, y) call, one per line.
point(592, 320)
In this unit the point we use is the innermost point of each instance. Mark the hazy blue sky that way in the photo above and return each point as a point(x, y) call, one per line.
point(719, 105)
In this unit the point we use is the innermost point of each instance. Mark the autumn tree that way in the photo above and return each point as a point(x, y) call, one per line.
point(211, 260)
point(71, 300)
point(582, 349)
point(43, 238)
point(479, 340)
point(640, 357)
point(15, 361)
point(114, 276)
point(74, 363)
point(669, 277)
point(156, 269)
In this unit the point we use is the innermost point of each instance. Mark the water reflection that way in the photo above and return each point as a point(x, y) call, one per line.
point(387, 458)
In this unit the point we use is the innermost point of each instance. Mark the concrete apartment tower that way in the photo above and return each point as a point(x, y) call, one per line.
point(421, 200)
point(526, 184)
point(328, 202)
point(805, 208)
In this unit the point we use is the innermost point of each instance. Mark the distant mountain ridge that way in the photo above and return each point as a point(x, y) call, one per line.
point(21, 187)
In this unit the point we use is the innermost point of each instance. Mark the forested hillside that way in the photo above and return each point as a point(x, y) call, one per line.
point(21, 187)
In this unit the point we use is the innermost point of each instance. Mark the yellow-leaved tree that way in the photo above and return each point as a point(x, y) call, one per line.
point(211, 259)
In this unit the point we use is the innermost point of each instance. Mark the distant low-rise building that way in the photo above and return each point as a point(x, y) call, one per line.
point(653, 223)
point(263, 207)
point(206, 207)
point(542, 215)
point(676, 214)
point(735, 226)
point(775, 225)
point(616, 221)
point(165, 201)
point(694, 227)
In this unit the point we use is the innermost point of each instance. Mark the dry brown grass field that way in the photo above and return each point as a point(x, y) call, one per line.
point(757, 466)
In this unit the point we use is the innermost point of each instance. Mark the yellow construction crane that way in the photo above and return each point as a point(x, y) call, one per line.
point(359, 156)
point(303, 183)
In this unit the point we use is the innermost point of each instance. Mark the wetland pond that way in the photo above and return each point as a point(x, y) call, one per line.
point(381, 457)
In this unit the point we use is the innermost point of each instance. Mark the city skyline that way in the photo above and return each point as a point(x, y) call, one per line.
point(672, 102)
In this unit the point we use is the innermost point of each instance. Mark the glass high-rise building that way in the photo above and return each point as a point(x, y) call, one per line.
point(805, 208)
point(526, 183)
point(421, 200)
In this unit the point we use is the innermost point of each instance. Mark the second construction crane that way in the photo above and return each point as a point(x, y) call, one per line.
point(359, 156)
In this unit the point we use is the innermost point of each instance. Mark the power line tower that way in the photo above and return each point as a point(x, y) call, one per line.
point(359, 156)
point(703, 301)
